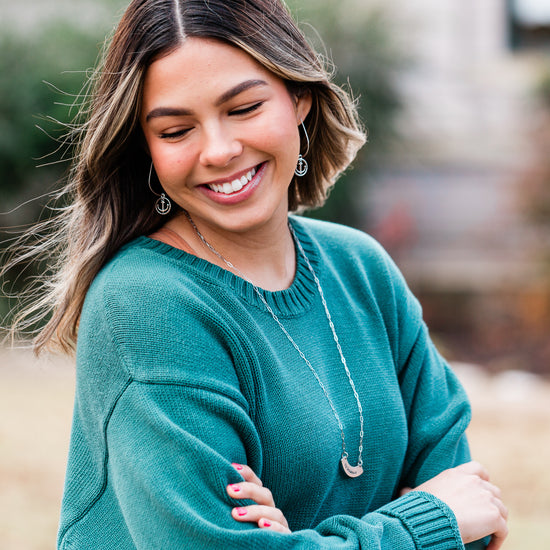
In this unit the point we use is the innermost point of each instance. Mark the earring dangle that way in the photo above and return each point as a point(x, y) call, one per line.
point(302, 165)
point(163, 204)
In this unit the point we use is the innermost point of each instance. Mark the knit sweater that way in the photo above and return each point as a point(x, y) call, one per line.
point(181, 371)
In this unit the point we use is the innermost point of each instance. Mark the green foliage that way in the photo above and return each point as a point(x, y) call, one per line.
point(56, 55)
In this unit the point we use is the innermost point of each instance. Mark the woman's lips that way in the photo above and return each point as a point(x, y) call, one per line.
point(238, 189)
point(234, 186)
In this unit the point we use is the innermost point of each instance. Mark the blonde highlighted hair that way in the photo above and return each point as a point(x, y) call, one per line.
point(109, 201)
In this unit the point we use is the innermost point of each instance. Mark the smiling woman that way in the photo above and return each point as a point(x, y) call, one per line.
point(246, 378)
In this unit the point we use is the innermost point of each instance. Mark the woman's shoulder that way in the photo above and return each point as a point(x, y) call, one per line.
point(341, 241)
point(139, 280)
point(152, 311)
point(360, 261)
point(141, 264)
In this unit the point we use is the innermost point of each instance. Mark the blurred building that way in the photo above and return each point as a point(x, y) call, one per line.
point(448, 202)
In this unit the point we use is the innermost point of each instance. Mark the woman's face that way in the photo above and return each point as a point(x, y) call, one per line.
point(223, 134)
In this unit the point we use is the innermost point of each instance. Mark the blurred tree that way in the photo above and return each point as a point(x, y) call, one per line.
point(534, 300)
point(42, 75)
point(357, 37)
point(42, 72)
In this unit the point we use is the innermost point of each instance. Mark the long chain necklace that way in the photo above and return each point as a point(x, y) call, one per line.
point(351, 471)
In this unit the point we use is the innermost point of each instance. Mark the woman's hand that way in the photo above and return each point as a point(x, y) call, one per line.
point(475, 502)
point(263, 513)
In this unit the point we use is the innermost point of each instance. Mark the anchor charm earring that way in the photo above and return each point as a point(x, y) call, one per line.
point(302, 165)
point(163, 204)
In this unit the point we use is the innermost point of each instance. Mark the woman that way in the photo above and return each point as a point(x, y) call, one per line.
point(222, 342)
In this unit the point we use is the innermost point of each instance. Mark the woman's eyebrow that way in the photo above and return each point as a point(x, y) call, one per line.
point(225, 97)
point(239, 89)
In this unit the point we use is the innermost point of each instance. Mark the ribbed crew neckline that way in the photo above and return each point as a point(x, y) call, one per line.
point(289, 302)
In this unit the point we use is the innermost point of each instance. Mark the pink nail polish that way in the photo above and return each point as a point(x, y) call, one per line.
point(241, 511)
point(237, 466)
point(267, 523)
point(235, 488)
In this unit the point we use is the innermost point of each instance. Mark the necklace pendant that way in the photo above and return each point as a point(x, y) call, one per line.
point(351, 471)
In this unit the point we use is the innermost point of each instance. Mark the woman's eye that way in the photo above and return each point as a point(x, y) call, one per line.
point(246, 110)
point(174, 135)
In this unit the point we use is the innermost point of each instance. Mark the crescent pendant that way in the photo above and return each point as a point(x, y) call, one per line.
point(351, 471)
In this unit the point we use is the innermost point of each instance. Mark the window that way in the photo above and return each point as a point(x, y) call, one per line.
point(529, 23)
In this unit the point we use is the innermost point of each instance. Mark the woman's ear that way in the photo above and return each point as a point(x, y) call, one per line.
point(303, 106)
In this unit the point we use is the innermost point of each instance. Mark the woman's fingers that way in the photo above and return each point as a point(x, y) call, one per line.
point(474, 468)
point(252, 491)
point(263, 513)
point(252, 488)
point(266, 517)
point(247, 473)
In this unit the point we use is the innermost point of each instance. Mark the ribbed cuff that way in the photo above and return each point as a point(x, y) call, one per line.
point(430, 522)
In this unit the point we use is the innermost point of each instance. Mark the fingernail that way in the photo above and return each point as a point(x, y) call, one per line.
point(267, 523)
point(237, 466)
point(241, 511)
point(235, 488)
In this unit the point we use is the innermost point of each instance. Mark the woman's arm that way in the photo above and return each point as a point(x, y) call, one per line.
point(475, 502)
point(438, 413)
point(168, 476)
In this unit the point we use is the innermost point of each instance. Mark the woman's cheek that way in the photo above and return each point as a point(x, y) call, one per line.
point(172, 166)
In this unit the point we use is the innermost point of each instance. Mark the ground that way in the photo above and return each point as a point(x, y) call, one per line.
point(510, 434)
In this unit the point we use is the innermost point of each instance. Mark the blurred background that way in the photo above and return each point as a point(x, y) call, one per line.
point(454, 182)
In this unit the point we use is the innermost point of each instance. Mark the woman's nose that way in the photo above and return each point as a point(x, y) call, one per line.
point(219, 147)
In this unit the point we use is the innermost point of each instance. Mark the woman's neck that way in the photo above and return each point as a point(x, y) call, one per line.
point(266, 256)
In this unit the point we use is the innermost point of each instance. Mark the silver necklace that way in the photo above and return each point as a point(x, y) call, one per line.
point(351, 471)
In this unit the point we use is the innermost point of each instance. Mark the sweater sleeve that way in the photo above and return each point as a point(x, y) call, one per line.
point(436, 405)
point(439, 413)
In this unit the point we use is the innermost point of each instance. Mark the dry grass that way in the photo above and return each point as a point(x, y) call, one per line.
point(35, 416)
point(510, 433)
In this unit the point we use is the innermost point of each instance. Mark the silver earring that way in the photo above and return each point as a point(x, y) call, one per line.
point(163, 204)
point(302, 165)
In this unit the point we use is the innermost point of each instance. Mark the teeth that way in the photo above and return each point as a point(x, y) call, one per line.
point(236, 185)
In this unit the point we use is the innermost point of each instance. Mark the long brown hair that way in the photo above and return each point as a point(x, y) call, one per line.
point(109, 200)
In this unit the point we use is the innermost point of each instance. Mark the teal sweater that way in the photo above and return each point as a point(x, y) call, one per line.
point(181, 371)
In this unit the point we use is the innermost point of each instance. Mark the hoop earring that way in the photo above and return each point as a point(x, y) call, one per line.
point(302, 165)
point(163, 204)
